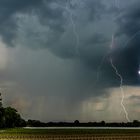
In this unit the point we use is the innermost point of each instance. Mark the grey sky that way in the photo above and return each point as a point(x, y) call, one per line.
point(41, 71)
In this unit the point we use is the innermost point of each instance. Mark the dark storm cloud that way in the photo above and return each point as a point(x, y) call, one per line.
point(50, 13)
point(127, 56)
point(125, 52)
point(7, 10)
point(47, 24)
point(45, 65)
point(52, 29)
point(10, 11)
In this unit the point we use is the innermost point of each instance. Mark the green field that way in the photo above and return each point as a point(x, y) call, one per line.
point(69, 134)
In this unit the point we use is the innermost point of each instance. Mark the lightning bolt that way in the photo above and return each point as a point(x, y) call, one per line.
point(74, 27)
point(115, 68)
point(116, 4)
point(68, 10)
point(121, 82)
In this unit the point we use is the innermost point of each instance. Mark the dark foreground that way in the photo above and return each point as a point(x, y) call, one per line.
point(69, 134)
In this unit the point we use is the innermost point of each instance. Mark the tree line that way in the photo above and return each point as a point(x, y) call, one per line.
point(10, 118)
point(76, 123)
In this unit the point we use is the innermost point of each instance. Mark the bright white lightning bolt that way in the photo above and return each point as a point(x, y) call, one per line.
point(115, 68)
point(116, 4)
point(74, 27)
point(121, 82)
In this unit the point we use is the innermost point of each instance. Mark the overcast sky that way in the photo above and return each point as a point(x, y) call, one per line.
point(55, 58)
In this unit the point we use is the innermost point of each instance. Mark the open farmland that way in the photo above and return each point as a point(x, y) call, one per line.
point(69, 134)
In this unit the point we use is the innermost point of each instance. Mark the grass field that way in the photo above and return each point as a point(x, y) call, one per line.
point(69, 134)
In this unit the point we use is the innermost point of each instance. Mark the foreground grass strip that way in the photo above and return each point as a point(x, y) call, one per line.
point(69, 134)
point(78, 137)
point(69, 131)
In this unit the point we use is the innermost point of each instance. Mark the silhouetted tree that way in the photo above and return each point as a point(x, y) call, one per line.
point(136, 123)
point(9, 118)
point(102, 123)
point(76, 122)
point(2, 118)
